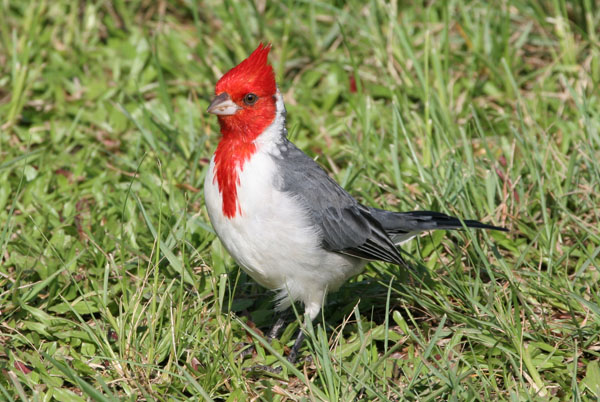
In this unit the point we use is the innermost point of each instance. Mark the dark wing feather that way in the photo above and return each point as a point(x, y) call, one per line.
point(346, 226)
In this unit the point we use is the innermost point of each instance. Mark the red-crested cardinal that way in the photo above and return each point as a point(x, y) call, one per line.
point(283, 219)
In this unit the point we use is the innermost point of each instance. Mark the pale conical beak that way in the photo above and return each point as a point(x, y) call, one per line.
point(222, 105)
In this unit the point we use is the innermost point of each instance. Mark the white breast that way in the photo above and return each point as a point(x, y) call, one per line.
point(272, 238)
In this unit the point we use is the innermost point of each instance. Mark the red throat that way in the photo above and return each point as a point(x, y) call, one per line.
point(253, 75)
point(234, 150)
point(230, 158)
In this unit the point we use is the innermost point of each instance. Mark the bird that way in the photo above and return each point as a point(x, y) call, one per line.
point(284, 220)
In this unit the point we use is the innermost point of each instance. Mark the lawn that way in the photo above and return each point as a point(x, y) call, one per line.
point(113, 284)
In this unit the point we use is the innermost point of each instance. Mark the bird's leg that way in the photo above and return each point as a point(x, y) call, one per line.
point(293, 355)
point(296, 348)
point(293, 352)
point(311, 310)
point(275, 329)
point(272, 334)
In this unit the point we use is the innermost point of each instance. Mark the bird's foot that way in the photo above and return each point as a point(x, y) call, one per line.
point(264, 368)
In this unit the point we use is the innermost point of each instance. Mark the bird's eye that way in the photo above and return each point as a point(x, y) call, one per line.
point(250, 99)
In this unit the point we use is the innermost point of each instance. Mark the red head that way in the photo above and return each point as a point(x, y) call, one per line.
point(245, 101)
point(246, 106)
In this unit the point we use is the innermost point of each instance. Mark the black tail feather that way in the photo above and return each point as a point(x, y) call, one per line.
point(449, 222)
point(419, 221)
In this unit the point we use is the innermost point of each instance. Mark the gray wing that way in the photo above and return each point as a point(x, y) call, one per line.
point(347, 227)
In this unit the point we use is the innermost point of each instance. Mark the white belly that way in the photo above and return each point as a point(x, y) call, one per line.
point(272, 239)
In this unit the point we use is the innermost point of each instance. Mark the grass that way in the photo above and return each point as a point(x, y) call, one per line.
point(113, 285)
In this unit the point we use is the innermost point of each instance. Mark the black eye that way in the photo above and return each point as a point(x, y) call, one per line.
point(250, 99)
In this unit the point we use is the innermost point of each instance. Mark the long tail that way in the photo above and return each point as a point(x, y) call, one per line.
point(402, 226)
